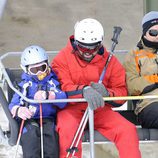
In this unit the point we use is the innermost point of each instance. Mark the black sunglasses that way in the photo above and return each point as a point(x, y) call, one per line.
point(153, 33)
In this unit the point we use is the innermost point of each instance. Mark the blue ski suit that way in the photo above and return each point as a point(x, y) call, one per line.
point(31, 130)
point(49, 83)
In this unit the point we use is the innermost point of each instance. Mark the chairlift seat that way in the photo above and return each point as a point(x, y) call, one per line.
point(7, 93)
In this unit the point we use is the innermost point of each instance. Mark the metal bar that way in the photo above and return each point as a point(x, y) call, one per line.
point(81, 132)
point(61, 100)
point(69, 100)
point(78, 130)
point(2, 7)
point(91, 132)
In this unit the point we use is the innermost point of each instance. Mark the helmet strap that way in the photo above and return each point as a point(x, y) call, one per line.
point(101, 50)
point(24, 68)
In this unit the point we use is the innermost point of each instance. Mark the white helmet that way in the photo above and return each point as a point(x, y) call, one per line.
point(33, 55)
point(89, 31)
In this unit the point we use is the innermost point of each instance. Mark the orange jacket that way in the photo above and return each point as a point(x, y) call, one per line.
point(141, 75)
point(74, 73)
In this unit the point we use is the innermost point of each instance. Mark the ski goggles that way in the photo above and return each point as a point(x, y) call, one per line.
point(153, 33)
point(35, 69)
point(88, 48)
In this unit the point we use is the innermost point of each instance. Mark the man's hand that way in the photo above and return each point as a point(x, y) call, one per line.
point(94, 99)
point(100, 88)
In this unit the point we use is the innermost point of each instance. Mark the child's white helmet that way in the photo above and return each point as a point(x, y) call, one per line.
point(33, 55)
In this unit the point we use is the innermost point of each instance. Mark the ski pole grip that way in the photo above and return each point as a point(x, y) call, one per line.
point(117, 31)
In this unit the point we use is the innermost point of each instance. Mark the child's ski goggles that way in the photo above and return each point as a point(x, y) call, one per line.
point(35, 69)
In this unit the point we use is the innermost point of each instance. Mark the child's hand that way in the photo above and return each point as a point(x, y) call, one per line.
point(40, 95)
point(22, 112)
point(51, 95)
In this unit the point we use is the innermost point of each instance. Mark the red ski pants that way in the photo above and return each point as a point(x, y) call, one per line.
point(108, 122)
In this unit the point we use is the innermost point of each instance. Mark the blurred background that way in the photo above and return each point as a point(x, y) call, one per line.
point(49, 23)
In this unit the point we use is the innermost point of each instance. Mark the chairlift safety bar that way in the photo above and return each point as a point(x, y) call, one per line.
point(3, 70)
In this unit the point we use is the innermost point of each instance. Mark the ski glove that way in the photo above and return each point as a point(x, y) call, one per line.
point(43, 95)
point(22, 112)
point(40, 95)
point(93, 98)
point(100, 88)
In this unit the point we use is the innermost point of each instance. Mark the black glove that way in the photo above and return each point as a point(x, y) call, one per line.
point(94, 99)
point(100, 88)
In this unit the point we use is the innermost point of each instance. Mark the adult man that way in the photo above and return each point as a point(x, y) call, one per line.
point(78, 67)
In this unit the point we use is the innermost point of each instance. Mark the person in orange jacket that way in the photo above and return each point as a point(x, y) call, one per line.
point(78, 67)
point(142, 71)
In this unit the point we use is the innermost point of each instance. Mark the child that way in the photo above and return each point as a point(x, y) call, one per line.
point(38, 82)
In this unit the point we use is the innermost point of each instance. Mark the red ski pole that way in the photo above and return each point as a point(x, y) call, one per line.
point(19, 137)
point(41, 129)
